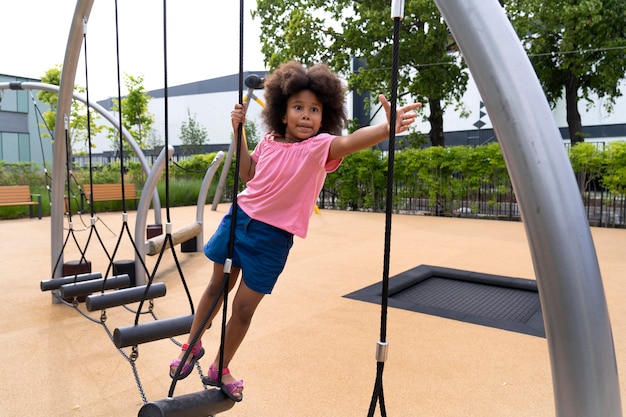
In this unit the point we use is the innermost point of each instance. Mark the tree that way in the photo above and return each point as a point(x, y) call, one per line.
point(192, 135)
point(252, 135)
point(77, 124)
point(577, 49)
point(339, 31)
point(615, 177)
point(588, 162)
point(135, 115)
point(251, 132)
point(154, 139)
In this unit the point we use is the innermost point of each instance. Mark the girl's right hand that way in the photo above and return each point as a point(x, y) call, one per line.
point(238, 116)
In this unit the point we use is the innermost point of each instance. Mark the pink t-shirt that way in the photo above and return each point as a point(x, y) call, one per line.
point(287, 181)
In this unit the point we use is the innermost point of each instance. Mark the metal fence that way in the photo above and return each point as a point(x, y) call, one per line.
point(488, 200)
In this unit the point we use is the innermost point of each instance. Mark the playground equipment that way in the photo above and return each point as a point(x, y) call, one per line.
point(103, 112)
point(253, 82)
point(576, 318)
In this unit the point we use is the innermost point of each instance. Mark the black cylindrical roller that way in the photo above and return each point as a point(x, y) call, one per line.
point(124, 296)
point(88, 287)
point(152, 330)
point(55, 283)
point(198, 404)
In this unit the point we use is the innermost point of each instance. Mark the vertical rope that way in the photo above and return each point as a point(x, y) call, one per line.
point(119, 106)
point(91, 209)
point(166, 111)
point(231, 240)
point(381, 355)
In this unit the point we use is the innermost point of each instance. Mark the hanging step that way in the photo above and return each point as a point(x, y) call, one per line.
point(198, 404)
point(124, 296)
point(56, 283)
point(150, 331)
point(88, 287)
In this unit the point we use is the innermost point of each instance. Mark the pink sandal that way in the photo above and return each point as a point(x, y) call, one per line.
point(231, 387)
point(196, 353)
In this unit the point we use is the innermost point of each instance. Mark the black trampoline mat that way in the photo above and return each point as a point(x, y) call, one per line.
point(489, 300)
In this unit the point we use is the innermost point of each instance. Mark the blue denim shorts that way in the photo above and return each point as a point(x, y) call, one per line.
point(260, 250)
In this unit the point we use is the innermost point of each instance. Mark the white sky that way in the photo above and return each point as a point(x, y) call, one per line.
point(203, 41)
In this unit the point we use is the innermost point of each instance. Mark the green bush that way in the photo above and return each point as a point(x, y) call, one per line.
point(440, 175)
point(614, 178)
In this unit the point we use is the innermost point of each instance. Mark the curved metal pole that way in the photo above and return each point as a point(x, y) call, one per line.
point(107, 115)
point(204, 190)
point(68, 77)
point(578, 330)
point(142, 212)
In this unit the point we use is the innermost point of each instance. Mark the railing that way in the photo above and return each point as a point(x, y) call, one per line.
point(488, 200)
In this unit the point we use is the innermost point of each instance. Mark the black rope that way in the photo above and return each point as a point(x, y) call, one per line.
point(231, 241)
point(377, 395)
point(69, 175)
point(223, 291)
point(166, 114)
point(43, 154)
point(119, 106)
point(88, 121)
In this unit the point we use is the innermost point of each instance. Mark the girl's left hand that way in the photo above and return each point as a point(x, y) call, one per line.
point(405, 116)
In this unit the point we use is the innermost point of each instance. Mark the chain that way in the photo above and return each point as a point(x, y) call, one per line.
point(134, 355)
point(132, 360)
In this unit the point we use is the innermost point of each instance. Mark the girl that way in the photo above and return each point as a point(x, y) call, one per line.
point(284, 175)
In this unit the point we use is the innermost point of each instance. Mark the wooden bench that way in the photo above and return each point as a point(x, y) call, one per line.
point(19, 195)
point(109, 192)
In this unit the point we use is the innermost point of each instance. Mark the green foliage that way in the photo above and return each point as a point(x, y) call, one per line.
point(53, 77)
point(588, 162)
point(78, 129)
point(441, 176)
point(252, 134)
point(194, 167)
point(576, 47)
point(135, 115)
point(614, 178)
point(359, 180)
point(21, 173)
point(336, 31)
point(192, 135)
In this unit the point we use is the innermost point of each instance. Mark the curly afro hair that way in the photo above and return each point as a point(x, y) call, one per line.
point(291, 78)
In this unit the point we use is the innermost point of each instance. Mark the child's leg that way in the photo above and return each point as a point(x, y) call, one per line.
point(207, 299)
point(244, 305)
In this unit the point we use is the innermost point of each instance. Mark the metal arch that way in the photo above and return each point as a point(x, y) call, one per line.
point(578, 329)
point(66, 93)
point(68, 77)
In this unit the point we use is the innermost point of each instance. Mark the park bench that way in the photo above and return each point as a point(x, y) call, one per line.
point(19, 195)
point(109, 192)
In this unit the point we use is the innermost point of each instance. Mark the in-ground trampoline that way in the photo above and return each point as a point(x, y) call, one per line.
point(490, 300)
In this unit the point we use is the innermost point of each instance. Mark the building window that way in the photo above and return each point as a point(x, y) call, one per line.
point(23, 143)
point(9, 150)
point(14, 101)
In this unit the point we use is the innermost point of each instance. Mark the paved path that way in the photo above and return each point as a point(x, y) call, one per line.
point(310, 351)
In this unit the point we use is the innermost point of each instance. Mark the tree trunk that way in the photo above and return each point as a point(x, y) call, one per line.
point(574, 124)
point(436, 123)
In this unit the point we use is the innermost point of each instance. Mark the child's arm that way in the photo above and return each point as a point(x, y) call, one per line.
point(246, 164)
point(369, 136)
